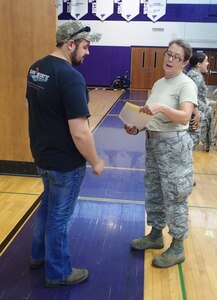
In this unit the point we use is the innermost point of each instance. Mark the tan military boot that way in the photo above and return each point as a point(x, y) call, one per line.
point(154, 240)
point(172, 256)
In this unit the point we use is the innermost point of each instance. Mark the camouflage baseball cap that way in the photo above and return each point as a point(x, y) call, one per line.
point(75, 30)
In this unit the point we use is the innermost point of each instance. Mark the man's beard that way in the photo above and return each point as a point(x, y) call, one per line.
point(74, 60)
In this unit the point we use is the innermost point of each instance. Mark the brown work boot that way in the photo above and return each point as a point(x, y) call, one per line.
point(77, 276)
point(172, 256)
point(36, 264)
point(154, 240)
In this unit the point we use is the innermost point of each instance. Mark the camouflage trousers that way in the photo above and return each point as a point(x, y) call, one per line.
point(205, 129)
point(168, 183)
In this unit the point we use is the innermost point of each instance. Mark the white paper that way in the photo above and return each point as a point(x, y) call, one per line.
point(131, 116)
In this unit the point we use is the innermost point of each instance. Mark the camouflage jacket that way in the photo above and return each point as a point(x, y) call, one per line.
point(198, 78)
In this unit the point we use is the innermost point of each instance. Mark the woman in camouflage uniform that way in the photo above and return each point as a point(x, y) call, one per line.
point(169, 163)
point(204, 133)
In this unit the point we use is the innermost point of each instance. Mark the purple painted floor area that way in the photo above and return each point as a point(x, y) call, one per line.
point(114, 184)
point(118, 148)
point(135, 95)
point(101, 231)
point(99, 240)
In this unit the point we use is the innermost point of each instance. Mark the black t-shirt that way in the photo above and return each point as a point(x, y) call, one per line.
point(56, 92)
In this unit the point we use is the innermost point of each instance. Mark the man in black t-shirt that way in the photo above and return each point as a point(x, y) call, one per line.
point(61, 143)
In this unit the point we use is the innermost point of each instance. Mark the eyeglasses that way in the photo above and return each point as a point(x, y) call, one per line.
point(174, 57)
point(85, 29)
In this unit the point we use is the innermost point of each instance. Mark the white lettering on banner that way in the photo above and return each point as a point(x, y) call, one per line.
point(145, 9)
point(79, 8)
point(93, 7)
point(68, 6)
point(130, 9)
point(119, 6)
point(156, 9)
point(104, 9)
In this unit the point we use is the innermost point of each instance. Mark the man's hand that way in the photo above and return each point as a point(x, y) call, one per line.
point(98, 167)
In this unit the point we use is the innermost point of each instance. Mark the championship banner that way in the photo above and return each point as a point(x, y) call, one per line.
point(78, 8)
point(104, 8)
point(130, 9)
point(59, 6)
point(156, 9)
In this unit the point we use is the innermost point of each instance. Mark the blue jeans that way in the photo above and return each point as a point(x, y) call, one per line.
point(50, 235)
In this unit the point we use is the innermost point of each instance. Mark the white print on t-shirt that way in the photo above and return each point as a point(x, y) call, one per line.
point(37, 76)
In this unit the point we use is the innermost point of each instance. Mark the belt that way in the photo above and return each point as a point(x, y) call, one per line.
point(160, 134)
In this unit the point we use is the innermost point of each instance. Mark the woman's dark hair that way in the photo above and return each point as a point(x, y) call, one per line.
point(197, 57)
point(186, 47)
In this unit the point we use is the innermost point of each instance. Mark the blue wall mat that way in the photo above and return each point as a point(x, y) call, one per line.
point(213, 11)
point(104, 64)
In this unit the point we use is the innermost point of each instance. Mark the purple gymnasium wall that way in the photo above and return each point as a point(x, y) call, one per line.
point(104, 64)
